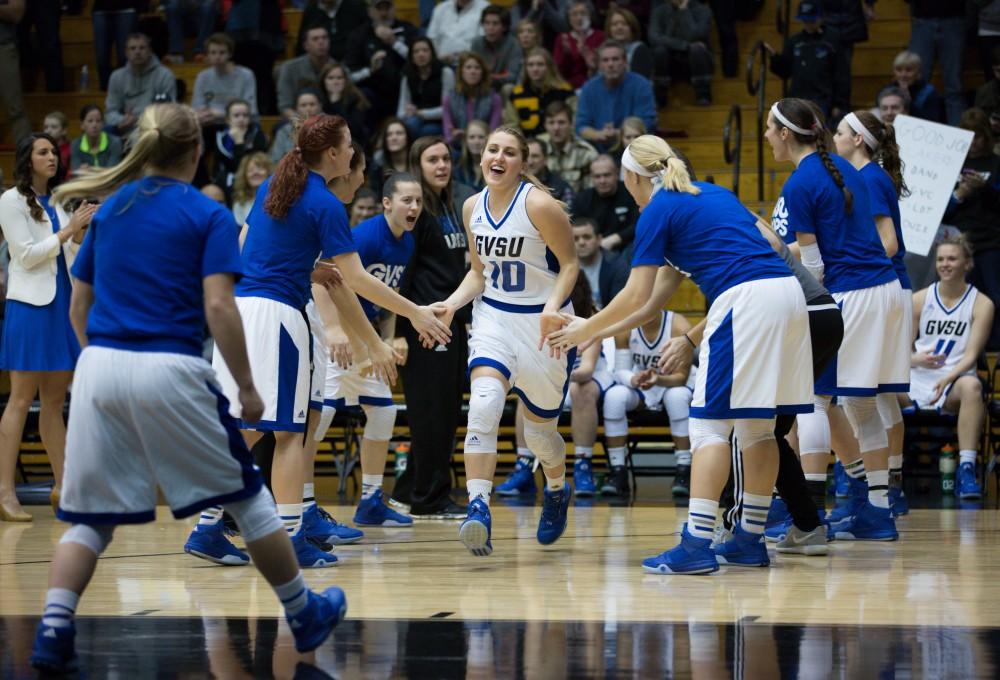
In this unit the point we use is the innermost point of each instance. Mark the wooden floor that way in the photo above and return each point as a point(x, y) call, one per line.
point(944, 574)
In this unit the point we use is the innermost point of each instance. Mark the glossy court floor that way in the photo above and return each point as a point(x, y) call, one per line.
point(422, 607)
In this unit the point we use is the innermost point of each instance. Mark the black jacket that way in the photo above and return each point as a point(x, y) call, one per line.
point(616, 214)
point(936, 9)
point(847, 17)
point(384, 83)
point(816, 68)
point(438, 263)
point(612, 276)
point(350, 15)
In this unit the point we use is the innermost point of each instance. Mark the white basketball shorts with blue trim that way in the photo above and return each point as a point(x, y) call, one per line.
point(756, 358)
point(278, 346)
point(321, 361)
point(505, 337)
point(142, 420)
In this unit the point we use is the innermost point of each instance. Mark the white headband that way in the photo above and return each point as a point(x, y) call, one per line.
point(630, 163)
point(860, 129)
point(789, 124)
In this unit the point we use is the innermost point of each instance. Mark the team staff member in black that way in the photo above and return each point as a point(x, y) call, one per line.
point(609, 203)
point(433, 379)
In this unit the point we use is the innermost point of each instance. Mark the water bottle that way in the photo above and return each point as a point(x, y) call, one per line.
point(402, 454)
point(84, 78)
point(947, 466)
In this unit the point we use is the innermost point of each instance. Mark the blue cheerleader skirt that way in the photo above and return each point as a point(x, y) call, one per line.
point(40, 338)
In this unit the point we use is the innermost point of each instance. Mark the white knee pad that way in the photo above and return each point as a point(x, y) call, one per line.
point(678, 403)
point(888, 409)
point(545, 442)
point(96, 538)
point(485, 410)
point(325, 418)
point(379, 422)
point(705, 432)
point(862, 412)
point(256, 516)
point(750, 431)
point(616, 404)
point(814, 428)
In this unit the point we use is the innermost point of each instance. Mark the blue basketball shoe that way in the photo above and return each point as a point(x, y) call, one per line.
point(967, 486)
point(209, 542)
point(313, 625)
point(318, 525)
point(53, 650)
point(856, 497)
point(521, 480)
point(310, 556)
point(775, 532)
point(583, 478)
point(373, 512)
point(777, 513)
point(841, 480)
point(691, 556)
point(476, 530)
point(869, 524)
point(745, 549)
point(898, 502)
point(552, 523)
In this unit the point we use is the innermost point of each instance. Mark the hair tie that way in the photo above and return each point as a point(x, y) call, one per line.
point(860, 129)
point(630, 163)
point(790, 125)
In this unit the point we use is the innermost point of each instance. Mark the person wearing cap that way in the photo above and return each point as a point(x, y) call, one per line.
point(376, 55)
point(812, 62)
point(340, 17)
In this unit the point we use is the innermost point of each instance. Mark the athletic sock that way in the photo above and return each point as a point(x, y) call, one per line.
point(855, 469)
point(967, 456)
point(896, 471)
point(616, 456)
point(294, 595)
point(308, 496)
point(585, 452)
point(525, 456)
point(701, 517)
point(555, 483)
point(479, 488)
point(369, 485)
point(755, 509)
point(878, 488)
point(210, 516)
point(60, 607)
point(683, 457)
point(816, 483)
point(291, 517)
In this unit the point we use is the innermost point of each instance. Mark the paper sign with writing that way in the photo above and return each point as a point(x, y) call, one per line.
point(932, 155)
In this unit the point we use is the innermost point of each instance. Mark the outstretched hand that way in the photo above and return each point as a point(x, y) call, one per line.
point(572, 333)
point(676, 355)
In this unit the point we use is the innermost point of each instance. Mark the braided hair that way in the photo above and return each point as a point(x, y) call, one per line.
point(806, 115)
point(887, 152)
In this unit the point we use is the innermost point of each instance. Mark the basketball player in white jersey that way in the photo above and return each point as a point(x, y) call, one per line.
point(952, 321)
point(523, 270)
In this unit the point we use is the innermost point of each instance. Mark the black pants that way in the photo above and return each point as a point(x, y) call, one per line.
point(433, 382)
point(259, 58)
point(724, 15)
point(826, 331)
point(695, 64)
point(44, 16)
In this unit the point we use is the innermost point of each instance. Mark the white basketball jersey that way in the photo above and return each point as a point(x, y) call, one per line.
point(646, 351)
point(519, 267)
point(946, 331)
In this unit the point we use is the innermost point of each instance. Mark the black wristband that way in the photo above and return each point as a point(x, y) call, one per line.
point(688, 338)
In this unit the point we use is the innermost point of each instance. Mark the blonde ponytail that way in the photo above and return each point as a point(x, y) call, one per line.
point(654, 155)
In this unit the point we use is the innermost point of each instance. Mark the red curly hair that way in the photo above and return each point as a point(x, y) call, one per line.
point(313, 138)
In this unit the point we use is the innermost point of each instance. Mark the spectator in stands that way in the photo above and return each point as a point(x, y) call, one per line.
point(974, 208)
point(632, 127)
point(943, 373)
point(56, 126)
point(548, 17)
point(222, 82)
point(426, 80)
point(937, 32)
point(988, 34)
point(308, 103)
point(364, 206)
point(339, 17)
point(537, 165)
point(344, 99)
point(988, 95)
point(679, 33)
point(255, 27)
point(114, 21)
point(473, 99)
point(610, 97)
point(95, 148)
point(725, 12)
point(376, 54)
point(303, 72)
point(575, 51)
point(467, 171)
point(925, 102)
point(204, 14)
point(454, 25)
point(621, 25)
point(133, 87)
point(539, 86)
point(811, 62)
point(606, 271)
point(241, 137)
point(891, 102)
point(567, 154)
point(529, 35)
point(847, 21)
point(497, 46)
point(253, 170)
point(391, 151)
point(44, 16)
point(609, 203)
point(10, 70)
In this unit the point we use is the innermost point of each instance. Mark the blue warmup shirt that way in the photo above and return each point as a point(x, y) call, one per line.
point(811, 203)
point(146, 253)
point(710, 237)
point(383, 255)
point(279, 255)
point(882, 193)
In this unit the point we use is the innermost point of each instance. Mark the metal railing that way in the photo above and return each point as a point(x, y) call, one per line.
point(732, 144)
point(757, 87)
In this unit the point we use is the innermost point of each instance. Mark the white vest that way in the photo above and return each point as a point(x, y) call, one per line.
point(34, 248)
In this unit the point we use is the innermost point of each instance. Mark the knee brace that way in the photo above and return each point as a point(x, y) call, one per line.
point(95, 538)
point(862, 412)
point(888, 409)
point(256, 516)
point(678, 403)
point(545, 442)
point(485, 409)
point(705, 432)
point(751, 431)
point(616, 401)
point(379, 422)
point(814, 428)
point(325, 418)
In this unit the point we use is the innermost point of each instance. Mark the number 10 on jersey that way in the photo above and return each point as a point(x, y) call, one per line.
point(507, 276)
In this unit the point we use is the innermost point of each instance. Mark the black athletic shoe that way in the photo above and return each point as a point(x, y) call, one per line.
point(616, 483)
point(682, 481)
point(450, 511)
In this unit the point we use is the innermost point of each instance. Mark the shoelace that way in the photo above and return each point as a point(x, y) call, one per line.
point(550, 508)
point(327, 516)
